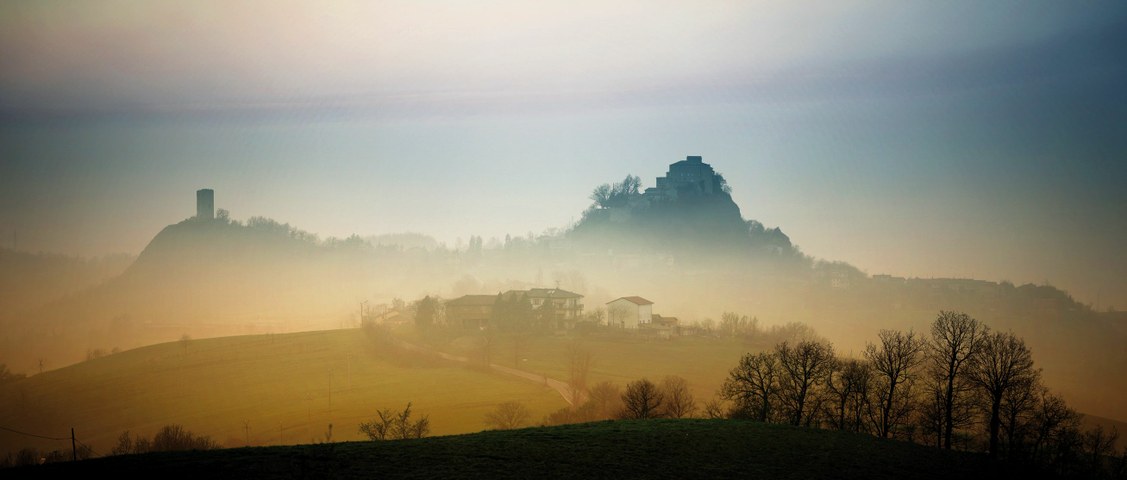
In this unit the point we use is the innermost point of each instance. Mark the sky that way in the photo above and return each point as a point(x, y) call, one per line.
point(946, 139)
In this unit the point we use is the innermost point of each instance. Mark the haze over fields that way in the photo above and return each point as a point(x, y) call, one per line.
point(486, 179)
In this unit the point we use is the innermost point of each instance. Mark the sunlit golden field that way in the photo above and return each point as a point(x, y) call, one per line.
point(286, 387)
point(620, 359)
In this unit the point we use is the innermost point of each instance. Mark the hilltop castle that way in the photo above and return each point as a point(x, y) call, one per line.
point(690, 175)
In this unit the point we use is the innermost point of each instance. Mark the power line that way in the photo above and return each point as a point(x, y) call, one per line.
point(32, 434)
point(89, 449)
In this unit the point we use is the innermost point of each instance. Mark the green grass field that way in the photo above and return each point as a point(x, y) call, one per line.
point(675, 449)
point(262, 389)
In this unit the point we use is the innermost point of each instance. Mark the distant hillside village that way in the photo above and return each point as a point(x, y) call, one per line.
point(546, 309)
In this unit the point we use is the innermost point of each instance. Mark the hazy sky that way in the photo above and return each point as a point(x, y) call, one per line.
point(948, 139)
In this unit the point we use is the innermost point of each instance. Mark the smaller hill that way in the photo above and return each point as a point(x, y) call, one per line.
point(204, 277)
point(258, 389)
point(679, 449)
point(29, 280)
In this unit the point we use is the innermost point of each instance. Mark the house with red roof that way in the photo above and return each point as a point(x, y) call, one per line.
point(629, 312)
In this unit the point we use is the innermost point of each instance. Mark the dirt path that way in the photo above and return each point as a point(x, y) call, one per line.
point(558, 385)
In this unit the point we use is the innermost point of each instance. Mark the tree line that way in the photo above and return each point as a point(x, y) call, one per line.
point(962, 386)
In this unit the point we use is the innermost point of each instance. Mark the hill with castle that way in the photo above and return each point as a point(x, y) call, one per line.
point(689, 212)
point(682, 243)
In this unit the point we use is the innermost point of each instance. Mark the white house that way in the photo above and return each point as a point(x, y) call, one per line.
point(629, 312)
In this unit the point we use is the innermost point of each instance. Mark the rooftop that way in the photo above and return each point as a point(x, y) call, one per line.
point(473, 301)
point(552, 293)
point(634, 300)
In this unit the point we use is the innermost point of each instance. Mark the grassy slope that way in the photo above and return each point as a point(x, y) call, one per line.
point(625, 449)
point(704, 362)
point(279, 384)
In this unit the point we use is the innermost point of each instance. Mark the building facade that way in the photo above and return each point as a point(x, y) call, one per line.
point(688, 175)
point(470, 311)
point(629, 312)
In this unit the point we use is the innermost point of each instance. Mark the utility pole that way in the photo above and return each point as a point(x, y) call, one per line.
point(73, 448)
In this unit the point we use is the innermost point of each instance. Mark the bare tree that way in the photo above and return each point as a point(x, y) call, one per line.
point(627, 187)
point(849, 385)
point(7, 376)
point(1051, 419)
point(714, 408)
point(605, 399)
point(930, 409)
point(404, 428)
point(893, 361)
point(508, 415)
point(679, 402)
point(753, 385)
point(124, 444)
point(175, 438)
point(804, 366)
point(642, 400)
point(392, 425)
point(601, 195)
point(579, 361)
point(1002, 363)
point(955, 338)
point(381, 428)
point(1099, 444)
point(1019, 405)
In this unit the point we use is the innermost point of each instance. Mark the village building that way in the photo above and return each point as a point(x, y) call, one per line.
point(476, 311)
point(629, 312)
point(663, 327)
point(470, 311)
point(565, 305)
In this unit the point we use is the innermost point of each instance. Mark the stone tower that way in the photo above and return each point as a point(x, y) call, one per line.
point(205, 204)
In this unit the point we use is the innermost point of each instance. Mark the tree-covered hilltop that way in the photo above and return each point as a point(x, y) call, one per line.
point(690, 212)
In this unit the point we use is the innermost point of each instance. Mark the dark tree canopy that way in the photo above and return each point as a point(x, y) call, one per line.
point(642, 399)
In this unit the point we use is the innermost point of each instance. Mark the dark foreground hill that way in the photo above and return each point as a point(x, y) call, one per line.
point(617, 449)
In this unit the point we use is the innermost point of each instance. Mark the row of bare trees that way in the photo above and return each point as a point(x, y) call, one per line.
point(641, 399)
point(963, 386)
point(170, 438)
